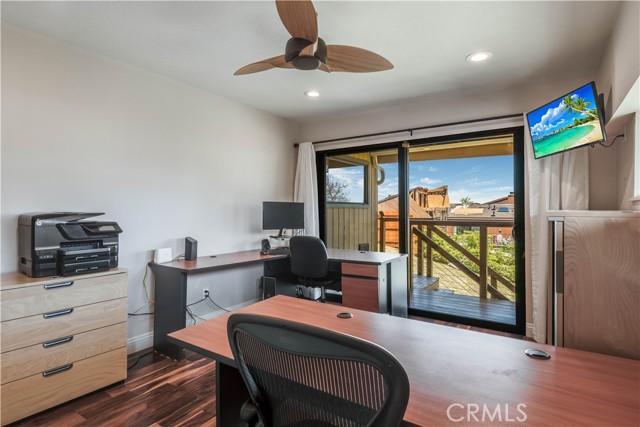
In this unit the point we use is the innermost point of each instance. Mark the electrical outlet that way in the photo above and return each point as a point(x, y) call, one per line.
point(205, 293)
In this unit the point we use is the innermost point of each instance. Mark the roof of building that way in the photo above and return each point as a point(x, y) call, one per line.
point(462, 210)
point(509, 199)
point(390, 207)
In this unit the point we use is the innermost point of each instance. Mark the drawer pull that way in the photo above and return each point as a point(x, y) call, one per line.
point(58, 370)
point(58, 341)
point(51, 314)
point(57, 285)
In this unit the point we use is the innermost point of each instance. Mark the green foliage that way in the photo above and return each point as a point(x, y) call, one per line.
point(466, 201)
point(501, 258)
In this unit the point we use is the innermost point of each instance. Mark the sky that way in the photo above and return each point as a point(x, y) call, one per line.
point(480, 178)
point(548, 118)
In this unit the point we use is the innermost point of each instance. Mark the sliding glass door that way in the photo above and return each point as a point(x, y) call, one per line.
point(454, 204)
point(463, 247)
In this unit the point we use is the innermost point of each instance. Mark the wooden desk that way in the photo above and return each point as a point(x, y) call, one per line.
point(448, 366)
point(171, 280)
point(374, 280)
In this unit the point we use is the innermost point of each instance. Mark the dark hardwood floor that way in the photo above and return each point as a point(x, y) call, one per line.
point(158, 392)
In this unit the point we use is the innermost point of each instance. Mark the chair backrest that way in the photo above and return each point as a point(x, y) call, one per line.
point(301, 375)
point(309, 258)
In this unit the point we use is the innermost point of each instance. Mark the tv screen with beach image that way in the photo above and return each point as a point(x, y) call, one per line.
point(571, 121)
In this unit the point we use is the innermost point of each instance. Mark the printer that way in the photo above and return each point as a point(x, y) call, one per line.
point(60, 244)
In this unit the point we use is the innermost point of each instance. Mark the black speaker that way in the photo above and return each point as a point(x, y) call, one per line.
point(363, 246)
point(190, 248)
point(268, 287)
point(265, 246)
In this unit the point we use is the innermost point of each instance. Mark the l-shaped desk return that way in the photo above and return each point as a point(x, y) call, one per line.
point(373, 281)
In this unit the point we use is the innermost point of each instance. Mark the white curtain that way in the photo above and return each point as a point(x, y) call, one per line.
point(306, 188)
point(552, 183)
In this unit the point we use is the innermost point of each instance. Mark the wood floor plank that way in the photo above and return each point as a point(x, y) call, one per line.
point(463, 306)
point(159, 392)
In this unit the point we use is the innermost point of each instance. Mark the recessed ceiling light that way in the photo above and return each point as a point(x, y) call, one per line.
point(478, 56)
point(312, 93)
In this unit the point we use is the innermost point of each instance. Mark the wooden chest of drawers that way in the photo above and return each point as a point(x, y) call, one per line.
point(61, 338)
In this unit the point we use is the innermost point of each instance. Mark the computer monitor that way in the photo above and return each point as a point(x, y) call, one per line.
point(282, 215)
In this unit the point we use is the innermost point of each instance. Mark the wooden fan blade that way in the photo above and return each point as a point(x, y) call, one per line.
point(264, 65)
point(309, 50)
point(325, 68)
point(355, 60)
point(299, 18)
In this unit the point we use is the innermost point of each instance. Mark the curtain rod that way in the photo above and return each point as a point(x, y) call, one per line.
point(508, 116)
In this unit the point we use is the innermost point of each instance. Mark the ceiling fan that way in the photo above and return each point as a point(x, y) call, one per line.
point(306, 51)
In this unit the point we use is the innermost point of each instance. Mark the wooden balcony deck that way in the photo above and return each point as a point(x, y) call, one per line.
point(446, 302)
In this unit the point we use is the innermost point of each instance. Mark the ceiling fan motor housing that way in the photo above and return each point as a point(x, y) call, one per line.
point(305, 62)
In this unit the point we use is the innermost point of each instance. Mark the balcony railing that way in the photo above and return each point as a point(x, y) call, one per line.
point(486, 279)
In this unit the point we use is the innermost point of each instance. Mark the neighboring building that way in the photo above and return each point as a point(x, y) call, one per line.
point(434, 204)
point(388, 208)
point(434, 201)
point(507, 200)
point(498, 208)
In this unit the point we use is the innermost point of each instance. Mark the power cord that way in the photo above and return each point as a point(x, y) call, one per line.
point(194, 316)
point(216, 304)
point(614, 140)
point(135, 312)
point(138, 359)
point(147, 296)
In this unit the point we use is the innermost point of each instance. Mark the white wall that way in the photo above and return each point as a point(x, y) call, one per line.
point(612, 169)
point(441, 109)
point(165, 160)
point(620, 66)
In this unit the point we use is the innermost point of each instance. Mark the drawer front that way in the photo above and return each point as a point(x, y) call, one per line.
point(37, 329)
point(38, 358)
point(36, 393)
point(366, 270)
point(361, 294)
point(67, 292)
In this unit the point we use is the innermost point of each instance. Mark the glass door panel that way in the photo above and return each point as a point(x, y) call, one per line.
point(361, 193)
point(461, 204)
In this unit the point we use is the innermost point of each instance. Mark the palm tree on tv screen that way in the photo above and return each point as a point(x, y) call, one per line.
point(579, 105)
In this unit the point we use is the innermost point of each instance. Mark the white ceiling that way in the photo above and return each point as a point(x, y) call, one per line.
point(203, 43)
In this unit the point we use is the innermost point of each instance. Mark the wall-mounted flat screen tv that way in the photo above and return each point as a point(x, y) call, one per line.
point(573, 120)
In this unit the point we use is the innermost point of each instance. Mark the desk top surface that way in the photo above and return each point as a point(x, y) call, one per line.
point(216, 262)
point(448, 366)
point(365, 257)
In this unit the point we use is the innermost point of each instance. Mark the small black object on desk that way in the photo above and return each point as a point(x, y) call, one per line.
point(537, 354)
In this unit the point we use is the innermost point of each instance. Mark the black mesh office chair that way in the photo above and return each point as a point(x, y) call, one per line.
point(310, 263)
point(303, 376)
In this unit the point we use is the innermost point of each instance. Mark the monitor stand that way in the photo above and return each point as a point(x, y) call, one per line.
point(280, 234)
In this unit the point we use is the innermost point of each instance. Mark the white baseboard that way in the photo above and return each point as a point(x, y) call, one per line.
point(139, 342)
point(145, 341)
